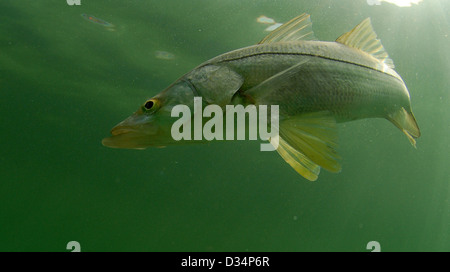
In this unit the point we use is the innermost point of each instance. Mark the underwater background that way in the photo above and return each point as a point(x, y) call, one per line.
point(68, 74)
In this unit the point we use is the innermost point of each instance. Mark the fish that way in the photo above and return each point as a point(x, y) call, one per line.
point(316, 85)
point(98, 21)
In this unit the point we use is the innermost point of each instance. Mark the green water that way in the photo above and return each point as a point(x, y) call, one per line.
point(65, 81)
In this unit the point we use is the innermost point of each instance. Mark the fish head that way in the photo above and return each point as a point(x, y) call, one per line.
point(150, 125)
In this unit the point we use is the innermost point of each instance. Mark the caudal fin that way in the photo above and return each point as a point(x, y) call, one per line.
point(406, 122)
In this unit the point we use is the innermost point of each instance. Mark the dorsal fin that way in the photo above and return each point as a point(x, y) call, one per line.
point(364, 38)
point(299, 28)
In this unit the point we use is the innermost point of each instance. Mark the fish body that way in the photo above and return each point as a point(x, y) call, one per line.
point(96, 20)
point(347, 82)
point(316, 85)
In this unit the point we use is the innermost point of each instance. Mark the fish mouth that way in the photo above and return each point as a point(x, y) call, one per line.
point(123, 137)
point(135, 132)
point(118, 130)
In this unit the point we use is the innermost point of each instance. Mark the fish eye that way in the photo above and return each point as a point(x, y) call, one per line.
point(151, 105)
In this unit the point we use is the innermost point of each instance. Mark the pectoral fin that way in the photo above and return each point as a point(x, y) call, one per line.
point(309, 141)
point(275, 82)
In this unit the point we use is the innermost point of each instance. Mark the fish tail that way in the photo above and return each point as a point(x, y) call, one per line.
point(407, 123)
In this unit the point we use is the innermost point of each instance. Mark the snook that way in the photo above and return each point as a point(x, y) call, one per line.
point(316, 85)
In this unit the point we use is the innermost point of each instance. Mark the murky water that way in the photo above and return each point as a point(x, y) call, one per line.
point(69, 73)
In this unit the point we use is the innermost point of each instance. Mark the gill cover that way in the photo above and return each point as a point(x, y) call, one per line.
point(216, 84)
